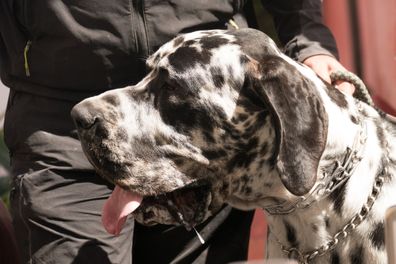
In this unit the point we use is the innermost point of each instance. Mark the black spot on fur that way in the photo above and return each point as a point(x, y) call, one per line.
point(112, 99)
point(380, 134)
point(243, 59)
point(249, 99)
point(217, 76)
point(291, 234)
point(165, 54)
point(242, 117)
point(356, 256)
point(381, 170)
point(245, 155)
point(178, 41)
point(333, 157)
point(336, 96)
point(268, 185)
point(251, 144)
point(338, 197)
point(377, 236)
point(179, 62)
point(239, 160)
point(354, 120)
point(214, 154)
point(121, 135)
point(209, 136)
point(327, 221)
point(181, 109)
point(256, 125)
point(245, 178)
point(213, 42)
point(189, 43)
point(264, 149)
point(335, 258)
point(179, 161)
point(248, 190)
point(225, 187)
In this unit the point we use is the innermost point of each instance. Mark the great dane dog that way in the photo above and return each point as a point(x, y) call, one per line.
point(225, 117)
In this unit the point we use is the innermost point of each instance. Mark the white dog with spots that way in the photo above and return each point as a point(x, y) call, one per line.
point(225, 117)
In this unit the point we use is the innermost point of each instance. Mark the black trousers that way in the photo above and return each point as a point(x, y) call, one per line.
point(57, 198)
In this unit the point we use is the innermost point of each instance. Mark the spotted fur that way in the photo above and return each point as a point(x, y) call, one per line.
point(225, 117)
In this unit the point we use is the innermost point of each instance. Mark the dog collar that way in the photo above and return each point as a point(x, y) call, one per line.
point(343, 169)
point(358, 218)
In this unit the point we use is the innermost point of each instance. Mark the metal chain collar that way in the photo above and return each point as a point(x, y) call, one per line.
point(343, 170)
point(353, 223)
point(327, 182)
point(305, 257)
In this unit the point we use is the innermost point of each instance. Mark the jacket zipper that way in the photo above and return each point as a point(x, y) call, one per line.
point(140, 26)
point(25, 57)
point(148, 48)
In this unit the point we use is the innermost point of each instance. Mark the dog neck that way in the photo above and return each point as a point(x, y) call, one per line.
point(311, 230)
point(333, 176)
point(313, 227)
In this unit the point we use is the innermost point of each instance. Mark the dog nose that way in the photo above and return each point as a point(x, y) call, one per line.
point(82, 116)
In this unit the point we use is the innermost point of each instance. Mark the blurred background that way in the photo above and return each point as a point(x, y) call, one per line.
point(365, 31)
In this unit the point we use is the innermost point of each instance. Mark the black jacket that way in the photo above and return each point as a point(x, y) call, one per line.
point(73, 49)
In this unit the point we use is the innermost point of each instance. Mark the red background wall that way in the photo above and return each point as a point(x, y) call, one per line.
point(376, 32)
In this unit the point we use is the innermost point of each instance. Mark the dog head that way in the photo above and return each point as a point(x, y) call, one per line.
point(222, 117)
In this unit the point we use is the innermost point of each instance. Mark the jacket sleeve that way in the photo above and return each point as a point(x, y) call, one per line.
point(300, 28)
point(12, 40)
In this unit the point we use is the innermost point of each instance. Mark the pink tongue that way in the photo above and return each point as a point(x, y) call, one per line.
point(116, 209)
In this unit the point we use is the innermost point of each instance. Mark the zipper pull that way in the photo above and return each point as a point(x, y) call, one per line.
point(233, 23)
point(25, 56)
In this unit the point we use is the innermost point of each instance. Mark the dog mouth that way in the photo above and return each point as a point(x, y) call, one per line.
point(187, 206)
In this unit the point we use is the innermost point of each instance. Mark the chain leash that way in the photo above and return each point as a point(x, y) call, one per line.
point(356, 220)
point(361, 93)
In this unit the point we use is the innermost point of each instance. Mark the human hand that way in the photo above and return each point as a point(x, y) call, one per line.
point(323, 65)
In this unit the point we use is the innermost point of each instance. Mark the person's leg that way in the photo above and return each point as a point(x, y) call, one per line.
point(56, 198)
point(57, 218)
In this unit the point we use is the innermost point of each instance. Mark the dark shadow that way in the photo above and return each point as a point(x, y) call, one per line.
point(90, 252)
point(226, 235)
point(8, 248)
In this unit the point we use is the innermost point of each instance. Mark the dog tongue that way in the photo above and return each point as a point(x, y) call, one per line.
point(116, 209)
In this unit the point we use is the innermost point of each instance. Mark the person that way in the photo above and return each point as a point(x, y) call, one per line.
point(55, 53)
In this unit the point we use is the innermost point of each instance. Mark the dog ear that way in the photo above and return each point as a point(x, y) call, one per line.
point(300, 120)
